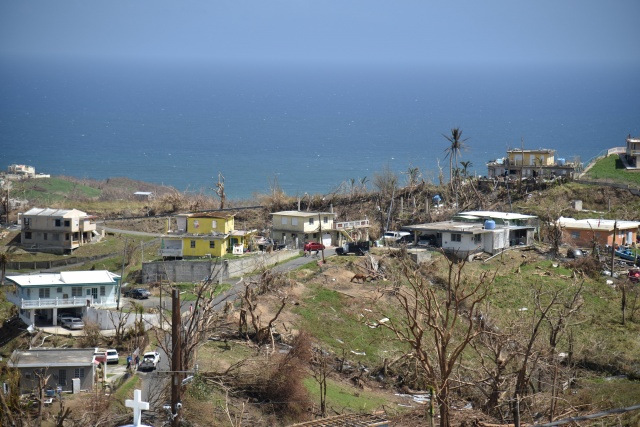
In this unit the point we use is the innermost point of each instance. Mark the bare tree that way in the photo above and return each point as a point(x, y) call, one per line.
point(438, 323)
point(198, 323)
point(119, 321)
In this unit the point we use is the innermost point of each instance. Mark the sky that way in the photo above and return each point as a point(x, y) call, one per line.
point(326, 31)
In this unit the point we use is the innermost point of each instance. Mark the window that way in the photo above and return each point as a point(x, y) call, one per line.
point(27, 235)
point(59, 290)
point(76, 291)
point(311, 221)
point(214, 224)
point(193, 244)
point(66, 236)
point(58, 223)
point(103, 291)
point(325, 220)
point(456, 237)
point(212, 244)
point(45, 236)
point(27, 375)
point(62, 377)
point(575, 234)
point(67, 223)
point(285, 221)
point(294, 221)
point(477, 238)
point(44, 293)
point(78, 373)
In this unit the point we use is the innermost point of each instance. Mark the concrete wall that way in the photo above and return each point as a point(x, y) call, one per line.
point(196, 271)
point(103, 319)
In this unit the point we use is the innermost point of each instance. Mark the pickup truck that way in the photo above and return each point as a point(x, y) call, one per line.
point(149, 361)
point(357, 248)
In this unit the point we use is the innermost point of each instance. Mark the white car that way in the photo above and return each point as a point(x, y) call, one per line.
point(149, 361)
point(72, 323)
point(112, 356)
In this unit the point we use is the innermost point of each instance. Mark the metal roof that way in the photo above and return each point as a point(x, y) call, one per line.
point(302, 214)
point(45, 357)
point(93, 277)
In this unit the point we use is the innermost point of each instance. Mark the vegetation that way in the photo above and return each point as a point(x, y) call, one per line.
point(611, 168)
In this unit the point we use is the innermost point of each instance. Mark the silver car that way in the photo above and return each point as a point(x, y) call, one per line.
point(74, 323)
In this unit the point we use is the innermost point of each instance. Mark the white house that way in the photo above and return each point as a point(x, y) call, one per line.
point(478, 231)
point(41, 297)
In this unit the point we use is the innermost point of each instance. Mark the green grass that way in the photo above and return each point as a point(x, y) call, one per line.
point(47, 191)
point(611, 168)
point(342, 396)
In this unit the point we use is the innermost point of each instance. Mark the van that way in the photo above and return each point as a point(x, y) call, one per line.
point(395, 236)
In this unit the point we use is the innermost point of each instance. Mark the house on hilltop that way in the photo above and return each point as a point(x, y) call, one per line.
point(207, 234)
point(530, 163)
point(478, 231)
point(582, 232)
point(56, 230)
point(632, 151)
point(43, 297)
point(294, 228)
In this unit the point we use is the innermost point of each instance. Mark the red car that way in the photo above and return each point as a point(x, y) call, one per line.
point(313, 246)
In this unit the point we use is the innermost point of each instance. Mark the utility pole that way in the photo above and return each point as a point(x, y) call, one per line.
point(124, 257)
point(320, 225)
point(176, 358)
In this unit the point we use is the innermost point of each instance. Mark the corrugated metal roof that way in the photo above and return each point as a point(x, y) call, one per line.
point(65, 278)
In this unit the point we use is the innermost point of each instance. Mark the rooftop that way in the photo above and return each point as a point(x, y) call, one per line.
point(40, 357)
point(65, 278)
point(597, 224)
point(54, 212)
point(302, 214)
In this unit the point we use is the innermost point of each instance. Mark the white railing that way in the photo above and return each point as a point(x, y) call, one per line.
point(59, 302)
point(350, 224)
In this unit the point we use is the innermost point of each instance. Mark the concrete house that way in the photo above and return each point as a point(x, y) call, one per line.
point(294, 228)
point(56, 230)
point(208, 234)
point(582, 232)
point(478, 231)
point(529, 163)
point(633, 151)
point(41, 297)
point(72, 369)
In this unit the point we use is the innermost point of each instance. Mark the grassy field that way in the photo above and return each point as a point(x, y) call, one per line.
point(610, 168)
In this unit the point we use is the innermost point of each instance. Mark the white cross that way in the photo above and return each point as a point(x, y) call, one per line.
point(138, 406)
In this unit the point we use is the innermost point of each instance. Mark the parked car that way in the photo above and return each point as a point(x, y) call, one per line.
point(357, 248)
point(149, 361)
point(64, 318)
point(426, 240)
point(313, 246)
point(394, 236)
point(73, 323)
point(137, 293)
point(113, 356)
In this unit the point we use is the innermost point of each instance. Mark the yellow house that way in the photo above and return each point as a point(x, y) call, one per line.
point(530, 163)
point(197, 235)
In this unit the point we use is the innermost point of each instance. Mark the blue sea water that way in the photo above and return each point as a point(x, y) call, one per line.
point(312, 128)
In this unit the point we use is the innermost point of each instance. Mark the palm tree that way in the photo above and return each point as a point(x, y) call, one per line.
point(465, 167)
point(457, 144)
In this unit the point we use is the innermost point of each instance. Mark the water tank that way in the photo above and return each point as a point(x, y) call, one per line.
point(490, 224)
point(437, 199)
point(561, 162)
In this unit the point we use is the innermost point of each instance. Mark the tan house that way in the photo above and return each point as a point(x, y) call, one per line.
point(56, 230)
point(582, 232)
point(530, 163)
point(633, 151)
point(294, 228)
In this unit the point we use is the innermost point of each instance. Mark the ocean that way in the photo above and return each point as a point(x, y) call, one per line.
point(309, 128)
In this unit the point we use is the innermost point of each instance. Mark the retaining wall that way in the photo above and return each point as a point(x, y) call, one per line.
point(218, 269)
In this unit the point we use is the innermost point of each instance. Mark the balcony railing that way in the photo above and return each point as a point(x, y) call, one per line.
point(348, 225)
point(60, 302)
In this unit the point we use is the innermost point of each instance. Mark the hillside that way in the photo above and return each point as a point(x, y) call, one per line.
point(580, 356)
